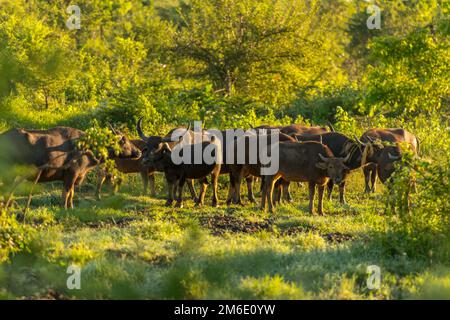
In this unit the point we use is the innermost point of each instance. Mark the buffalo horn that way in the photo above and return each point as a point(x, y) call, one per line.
point(139, 130)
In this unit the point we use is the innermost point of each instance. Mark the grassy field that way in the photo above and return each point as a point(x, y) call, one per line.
point(131, 246)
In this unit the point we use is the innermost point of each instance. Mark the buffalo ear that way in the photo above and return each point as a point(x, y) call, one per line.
point(321, 165)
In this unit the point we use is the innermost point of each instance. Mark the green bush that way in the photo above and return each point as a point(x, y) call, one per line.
point(409, 74)
point(418, 208)
point(100, 140)
point(14, 237)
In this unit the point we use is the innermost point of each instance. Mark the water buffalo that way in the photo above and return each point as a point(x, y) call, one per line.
point(52, 155)
point(310, 162)
point(152, 143)
point(374, 139)
point(128, 166)
point(342, 146)
point(240, 169)
point(386, 162)
point(228, 141)
point(177, 173)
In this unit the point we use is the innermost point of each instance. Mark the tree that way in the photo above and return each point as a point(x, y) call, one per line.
point(409, 74)
point(253, 46)
point(41, 54)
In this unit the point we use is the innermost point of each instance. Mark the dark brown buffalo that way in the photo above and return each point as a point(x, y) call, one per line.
point(52, 155)
point(376, 138)
point(128, 166)
point(152, 143)
point(177, 174)
point(238, 171)
point(341, 146)
point(310, 162)
point(226, 168)
point(386, 162)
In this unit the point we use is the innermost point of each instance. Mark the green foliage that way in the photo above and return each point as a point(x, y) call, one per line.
point(253, 46)
point(410, 75)
point(36, 57)
point(102, 142)
point(14, 237)
point(417, 204)
point(344, 123)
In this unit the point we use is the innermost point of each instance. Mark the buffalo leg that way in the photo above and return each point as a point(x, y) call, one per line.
point(368, 170)
point(270, 182)
point(72, 191)
point(250, 194)
point(145, 178)
point(312, 191)
point(342, 193)
point(231, 190)
point(373, 180)
point(117, 184)
point(151, 181)
point(286, 192)
point(277, 192)
point(190, 184)
point(215, 179)
point(171, 185)
point(330, 186)
point(204, 186)
point(320, 204)
point(263, 196)
point(181, 183)
point(267, 193)
point(237, 188)
point(68, 191)
point(71, 196)
point(100, 181)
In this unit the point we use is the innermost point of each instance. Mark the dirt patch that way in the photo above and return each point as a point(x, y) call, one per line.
point(221, 224)
point(297, 229)
point(119, 222)
point(338, 237)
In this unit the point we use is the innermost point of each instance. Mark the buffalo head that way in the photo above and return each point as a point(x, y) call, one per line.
point(386, 162)
point(155, 143)
point(335, 167)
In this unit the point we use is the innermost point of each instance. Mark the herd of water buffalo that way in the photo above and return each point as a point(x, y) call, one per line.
point(316, 155)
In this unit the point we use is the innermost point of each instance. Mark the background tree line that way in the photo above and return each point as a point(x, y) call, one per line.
point(226, 62)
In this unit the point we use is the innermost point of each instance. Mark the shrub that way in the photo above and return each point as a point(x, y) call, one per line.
point(419, 220)
point(409, 74)
point(99, 140)
point(345, 123)
point(14, 237)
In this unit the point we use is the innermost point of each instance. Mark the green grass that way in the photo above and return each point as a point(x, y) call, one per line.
point(132, 247)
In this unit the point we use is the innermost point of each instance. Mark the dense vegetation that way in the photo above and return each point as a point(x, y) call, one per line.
point(230, 64)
